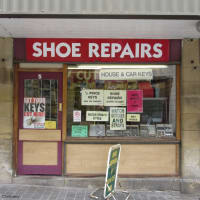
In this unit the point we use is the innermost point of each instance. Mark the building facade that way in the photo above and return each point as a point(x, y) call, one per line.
point(65, 101)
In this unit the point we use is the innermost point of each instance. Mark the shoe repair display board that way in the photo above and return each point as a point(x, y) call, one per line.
point(112, 170)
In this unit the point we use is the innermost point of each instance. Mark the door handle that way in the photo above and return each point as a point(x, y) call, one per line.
point(60, 107)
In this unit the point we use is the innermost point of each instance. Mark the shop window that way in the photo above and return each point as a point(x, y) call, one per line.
point(130, 102)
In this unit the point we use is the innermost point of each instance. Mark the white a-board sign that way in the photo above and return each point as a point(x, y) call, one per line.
point(112, 170)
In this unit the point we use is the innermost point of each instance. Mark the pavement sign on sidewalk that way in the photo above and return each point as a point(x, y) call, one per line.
point(112, 170)
point(109, 190)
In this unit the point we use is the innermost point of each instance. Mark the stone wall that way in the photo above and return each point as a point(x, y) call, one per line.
point(190, 114)
point(6, 109)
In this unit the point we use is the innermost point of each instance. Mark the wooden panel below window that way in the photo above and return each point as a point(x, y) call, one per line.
point(136, 159)
point(39, 135)
point(40, 153)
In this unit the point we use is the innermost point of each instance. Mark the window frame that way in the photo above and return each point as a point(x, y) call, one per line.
point(131, 140)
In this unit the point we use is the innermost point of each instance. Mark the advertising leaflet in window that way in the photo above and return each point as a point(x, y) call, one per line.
point(79, 131)
point(90, 97)
point(133, 117)
point(97, 130)
point(101, 116)
point(114, 97)
point(34, 113)
point(77, 116)
point(135, 101)
point(117, 118)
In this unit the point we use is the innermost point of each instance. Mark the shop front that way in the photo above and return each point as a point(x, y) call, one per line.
point(74, 98)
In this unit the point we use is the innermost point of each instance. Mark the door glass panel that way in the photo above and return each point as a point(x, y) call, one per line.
point(47, 89)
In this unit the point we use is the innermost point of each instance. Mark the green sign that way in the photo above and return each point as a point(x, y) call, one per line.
point(112, 170)
point(79, 131)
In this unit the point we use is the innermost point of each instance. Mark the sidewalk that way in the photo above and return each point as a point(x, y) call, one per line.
point(27, 192)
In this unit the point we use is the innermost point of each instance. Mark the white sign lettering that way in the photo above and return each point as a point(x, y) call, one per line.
point(109, 50)
point(53, 50)
point(87, 49)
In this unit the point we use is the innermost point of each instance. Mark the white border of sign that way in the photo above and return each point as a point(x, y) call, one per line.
point(108, 164)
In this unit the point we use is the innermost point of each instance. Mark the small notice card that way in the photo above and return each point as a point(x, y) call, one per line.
point(79, 131)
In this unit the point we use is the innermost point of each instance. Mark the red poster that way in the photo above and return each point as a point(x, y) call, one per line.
point(97, 50)
point(135, 101)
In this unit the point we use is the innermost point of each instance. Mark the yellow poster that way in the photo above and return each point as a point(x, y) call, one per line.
point(133, 117)
point(50, 124)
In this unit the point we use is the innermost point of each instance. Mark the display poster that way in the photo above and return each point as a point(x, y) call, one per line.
point(117, 118)
point(77, 116)
point(133, 117)
point(164, 130)
point(97, 130)
point(114, 133)
point(168, 130)
point(112, 170)
point(92, 97)
point(126, 74)
point(34, 113)
point(135, 101)
point(50, 124)
point(147, 130)
point(114, 97)
point(79, 131)
point(101, 116)
point(131, 130)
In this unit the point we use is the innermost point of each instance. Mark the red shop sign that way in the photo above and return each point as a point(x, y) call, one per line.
point(97, 50)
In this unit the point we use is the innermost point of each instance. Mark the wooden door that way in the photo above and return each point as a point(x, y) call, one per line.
point(40, 123)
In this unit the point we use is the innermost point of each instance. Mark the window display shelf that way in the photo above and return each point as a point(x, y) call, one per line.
point(155, 98)
point(115, 140)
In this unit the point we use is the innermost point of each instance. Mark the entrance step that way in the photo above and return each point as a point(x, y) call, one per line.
point(40, 180)
point(151, 184)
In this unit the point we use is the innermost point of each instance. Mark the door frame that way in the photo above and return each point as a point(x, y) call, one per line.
point(17, 69)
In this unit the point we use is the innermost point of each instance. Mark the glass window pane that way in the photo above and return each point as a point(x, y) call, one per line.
point(47, 89)
point(159, 103)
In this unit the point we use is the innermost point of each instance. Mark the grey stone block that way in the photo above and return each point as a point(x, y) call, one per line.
point(190, 186)
point(40, 180)
point(5, 167)
point(85, 182)
point(160, 184)
point(5, 145)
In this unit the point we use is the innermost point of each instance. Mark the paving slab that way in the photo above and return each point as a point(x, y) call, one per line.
point(31, 192)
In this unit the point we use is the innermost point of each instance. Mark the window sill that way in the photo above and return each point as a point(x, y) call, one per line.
point(116, 140)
